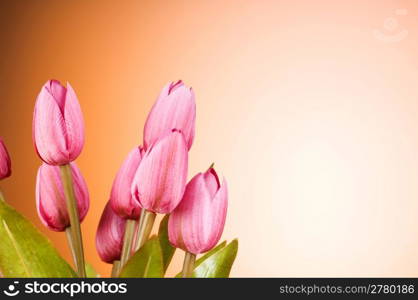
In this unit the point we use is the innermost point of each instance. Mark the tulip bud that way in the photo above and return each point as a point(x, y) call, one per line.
point(160, 180)
point(175, 108)
point(109, 237)
point(121, 198)
point(50, 197)
point(5, 164)
point(196, 225)
point(58, 126)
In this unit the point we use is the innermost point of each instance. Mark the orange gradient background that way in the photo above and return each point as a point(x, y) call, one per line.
point(310, 116)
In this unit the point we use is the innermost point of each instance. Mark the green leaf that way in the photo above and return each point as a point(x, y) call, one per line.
point(91, 272)
point(205, 256)
point(219, 264)
point(147, 262)
point(166, 248)
point(211, 252)
point(24, 251)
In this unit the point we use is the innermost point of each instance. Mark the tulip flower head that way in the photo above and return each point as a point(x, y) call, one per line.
point(121, 198)
point(5, 164)
point(160, 180)
point(58, 125)
point(109, 237)
point(196, 225)
point(175, 108)
point(50, 197)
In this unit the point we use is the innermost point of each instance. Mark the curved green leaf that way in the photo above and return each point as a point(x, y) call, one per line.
point(219, 264)
point(211, 252)
point(205, 256)
point(166, 248)
point(147, 262)
point(24, 251)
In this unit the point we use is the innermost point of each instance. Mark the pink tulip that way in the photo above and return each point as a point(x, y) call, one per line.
point(121, 198)
point(196, 225)
point(5, 164)
point(50, 198)
point(58, 126)
point(174, 108)
point(109, 237)
point(160, 180)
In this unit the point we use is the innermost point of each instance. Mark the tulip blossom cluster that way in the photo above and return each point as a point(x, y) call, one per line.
point(156, 176)
point(151, 180)
point(58, 135)
point(62, 197)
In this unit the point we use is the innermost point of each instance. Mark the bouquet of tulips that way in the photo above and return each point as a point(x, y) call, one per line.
point(152, 180)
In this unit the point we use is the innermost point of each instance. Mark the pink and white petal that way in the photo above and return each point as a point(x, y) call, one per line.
point(109, 237)
point(218, 211)
point(121, 197)
point(5, 163)
point(197, 218)
point(74, 123)
point(81, 191)
point(58, 92)
point(50, 199)
point(176, 110)
point(212, 181)
point(49, 130)
point(161, 176)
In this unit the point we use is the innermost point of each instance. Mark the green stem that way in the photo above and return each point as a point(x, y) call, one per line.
point(115, 269)
point(146, 222)
point(77, 241)
point(139, 225)
point(188, 264)
point(128, 239)
point(140, 229)
point(68, 233)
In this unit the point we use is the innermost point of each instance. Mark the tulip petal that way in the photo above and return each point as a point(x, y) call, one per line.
point(58, 92)
point(49, 130)
point(74, 123)
point(187, 222)
point(196, 225)
point(5, 163)
point(161, 176)
point(175, 108)
point(109, 237)
point(81, 191)
point(219, 207)
point(50, 198)
point(212, 181)
point(121, 197)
